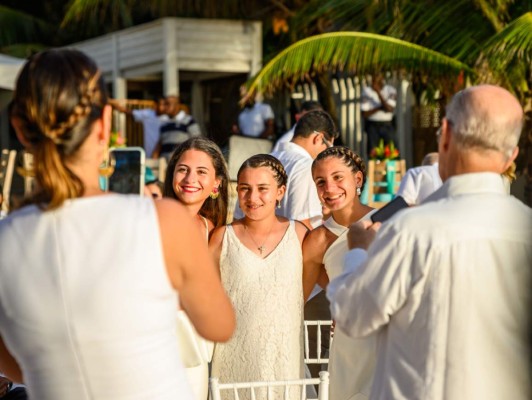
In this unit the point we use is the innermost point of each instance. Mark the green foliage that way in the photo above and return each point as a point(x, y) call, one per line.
point(355, 52)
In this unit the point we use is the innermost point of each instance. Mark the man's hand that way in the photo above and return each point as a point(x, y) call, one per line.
point(5, 385)
point(361, 234)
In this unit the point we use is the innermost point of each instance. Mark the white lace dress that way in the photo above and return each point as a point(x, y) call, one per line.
point(267, 296)
point(351, 361)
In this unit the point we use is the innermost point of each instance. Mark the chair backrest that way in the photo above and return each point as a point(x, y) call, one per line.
point(158, 166)
point(317, 326)
point(275, 390)
point(241, 148)
point(7, 166)
point(383, 179)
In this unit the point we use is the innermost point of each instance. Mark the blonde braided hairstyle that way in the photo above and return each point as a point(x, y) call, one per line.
point(347, 156)
point(266, 160)
point(58, 96)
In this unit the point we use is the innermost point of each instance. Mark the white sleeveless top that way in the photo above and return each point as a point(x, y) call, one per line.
point(86, 306)
point(267, 296)
point(351, 361)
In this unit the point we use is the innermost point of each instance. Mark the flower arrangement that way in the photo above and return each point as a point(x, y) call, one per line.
point(116, 139)
point(382, 152)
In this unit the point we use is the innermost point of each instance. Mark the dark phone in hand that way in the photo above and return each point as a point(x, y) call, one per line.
point(389, 209)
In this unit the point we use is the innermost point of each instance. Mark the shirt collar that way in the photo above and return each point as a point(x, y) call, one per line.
point(294, 148)
point(473, 183)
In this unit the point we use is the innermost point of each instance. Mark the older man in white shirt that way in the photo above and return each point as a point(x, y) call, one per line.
point(447, 284)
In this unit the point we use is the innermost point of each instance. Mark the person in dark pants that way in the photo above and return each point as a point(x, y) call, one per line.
point(377, 105)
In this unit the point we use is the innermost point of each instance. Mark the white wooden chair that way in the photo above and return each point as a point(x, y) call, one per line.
point(249, 389)
point(318, 326)
point(7, 166)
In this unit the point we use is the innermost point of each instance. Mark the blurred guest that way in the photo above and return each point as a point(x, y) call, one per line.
point(256, 119)
point(101, 282)
point(151, 118)
point(307, 106)
point(180, 127)
point(447, 284)
point(420, 182)
point(377, 104)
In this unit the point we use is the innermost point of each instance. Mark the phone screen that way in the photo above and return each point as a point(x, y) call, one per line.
point(128, 175)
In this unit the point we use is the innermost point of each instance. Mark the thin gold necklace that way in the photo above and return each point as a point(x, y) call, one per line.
point(260, 248)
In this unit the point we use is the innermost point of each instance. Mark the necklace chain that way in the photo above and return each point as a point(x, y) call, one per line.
point(260, 248)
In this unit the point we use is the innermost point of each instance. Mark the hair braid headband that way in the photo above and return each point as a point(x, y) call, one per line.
point(80, 111)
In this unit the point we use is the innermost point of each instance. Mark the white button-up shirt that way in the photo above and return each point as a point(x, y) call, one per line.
point(419, 183)
point(447, 287)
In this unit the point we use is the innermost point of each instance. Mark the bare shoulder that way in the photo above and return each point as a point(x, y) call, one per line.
point(171, 211)
point(217, 236)
point(301, 230)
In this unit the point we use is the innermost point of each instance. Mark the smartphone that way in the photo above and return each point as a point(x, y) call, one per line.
point(129, 170)
point(389, 209)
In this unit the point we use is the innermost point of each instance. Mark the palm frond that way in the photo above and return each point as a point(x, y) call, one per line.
point(513, 44)
point(18, 26)
point(354, 52)
point(92, 16)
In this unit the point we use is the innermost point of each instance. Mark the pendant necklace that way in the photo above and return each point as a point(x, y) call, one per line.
point(260, 248)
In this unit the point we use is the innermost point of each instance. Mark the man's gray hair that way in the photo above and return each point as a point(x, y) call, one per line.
point(474, 127)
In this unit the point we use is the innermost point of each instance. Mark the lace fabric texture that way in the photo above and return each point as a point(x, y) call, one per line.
point(267, 296)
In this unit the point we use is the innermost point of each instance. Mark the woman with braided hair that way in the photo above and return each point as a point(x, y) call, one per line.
point(261, 265)
point(339, 175)
point(89, 281)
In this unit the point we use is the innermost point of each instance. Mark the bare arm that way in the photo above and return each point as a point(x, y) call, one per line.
point(215, 244)
point(8, 364)
point(312, 262)
point(193, 273)
point(117, 106)
point(157, 150)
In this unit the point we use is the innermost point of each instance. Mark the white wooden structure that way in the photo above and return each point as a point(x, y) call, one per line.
point(174, 49)
point(9, 69)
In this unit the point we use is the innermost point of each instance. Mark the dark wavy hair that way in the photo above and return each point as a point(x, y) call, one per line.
point(213, 209)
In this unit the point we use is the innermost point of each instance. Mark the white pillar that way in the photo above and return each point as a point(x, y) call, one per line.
point(119, 87)
point(256, 46)
point(170, 65)
point(196, 108)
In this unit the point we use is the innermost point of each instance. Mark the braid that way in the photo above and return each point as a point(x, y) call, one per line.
point(266, 160)
point(348, 157)
point(80, 111)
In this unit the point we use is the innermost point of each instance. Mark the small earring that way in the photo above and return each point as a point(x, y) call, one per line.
point(359, 192)
point(214, 194)
point(278, 203)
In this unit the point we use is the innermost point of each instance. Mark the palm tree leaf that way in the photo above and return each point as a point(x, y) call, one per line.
point(357, 53)
point(511, 45)
point(92, 16)
point(18, 26)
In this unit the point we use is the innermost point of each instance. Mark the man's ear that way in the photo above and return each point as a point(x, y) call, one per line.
point(511, 159)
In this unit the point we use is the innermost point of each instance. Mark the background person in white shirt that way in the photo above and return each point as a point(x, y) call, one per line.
point(306, 106)
point(447, 284)
point(255, 120)
point(420, 182)
point(377, 105)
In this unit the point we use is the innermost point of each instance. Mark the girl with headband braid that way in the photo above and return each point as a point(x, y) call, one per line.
point(89, 281)
point(339, 175)
point(261, 265)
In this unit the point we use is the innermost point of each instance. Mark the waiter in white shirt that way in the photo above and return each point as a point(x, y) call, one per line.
point(447, 284)
point(377, 105)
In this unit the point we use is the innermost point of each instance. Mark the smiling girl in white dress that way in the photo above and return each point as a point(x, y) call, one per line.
point(339, 174)
point(197, 177)
point(261, 266)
